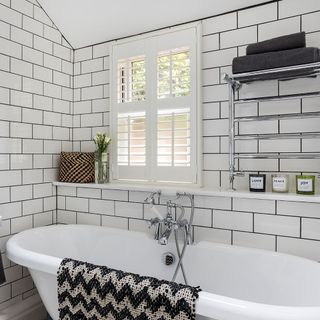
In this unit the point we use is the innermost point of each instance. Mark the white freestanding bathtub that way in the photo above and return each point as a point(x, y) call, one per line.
point(237, 283)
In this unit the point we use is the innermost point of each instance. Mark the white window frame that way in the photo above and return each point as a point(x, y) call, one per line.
point(139, 45)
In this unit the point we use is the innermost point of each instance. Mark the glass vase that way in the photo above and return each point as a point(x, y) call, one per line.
point(101, 167)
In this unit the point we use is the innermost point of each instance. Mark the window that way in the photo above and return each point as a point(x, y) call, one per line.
point(155, 109)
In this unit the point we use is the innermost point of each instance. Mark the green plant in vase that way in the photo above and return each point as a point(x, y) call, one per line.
point(102, 142)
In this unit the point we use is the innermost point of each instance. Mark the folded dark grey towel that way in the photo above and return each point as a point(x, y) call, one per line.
point(277, 59)
point(2, 275)
point(290, 41)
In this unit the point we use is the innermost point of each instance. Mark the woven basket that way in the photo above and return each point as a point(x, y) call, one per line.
point(77, 167)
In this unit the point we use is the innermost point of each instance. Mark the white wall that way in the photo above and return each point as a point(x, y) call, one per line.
point(35, 125)
point(38, 120)
point(283, 226)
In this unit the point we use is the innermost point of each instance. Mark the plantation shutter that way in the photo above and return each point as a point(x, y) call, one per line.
point(154, 108)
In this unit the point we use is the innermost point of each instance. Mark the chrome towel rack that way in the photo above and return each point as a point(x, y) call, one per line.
point(236, 81)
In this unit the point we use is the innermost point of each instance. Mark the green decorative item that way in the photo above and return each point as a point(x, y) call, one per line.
point(305, 185)
point(102, 142)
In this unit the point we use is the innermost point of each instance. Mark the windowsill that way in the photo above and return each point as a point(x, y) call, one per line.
point(171, 190)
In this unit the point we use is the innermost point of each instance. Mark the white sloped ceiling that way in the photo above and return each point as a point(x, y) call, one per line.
point(86, 22)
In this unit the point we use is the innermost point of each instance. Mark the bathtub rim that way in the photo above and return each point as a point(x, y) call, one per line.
point(208, 304)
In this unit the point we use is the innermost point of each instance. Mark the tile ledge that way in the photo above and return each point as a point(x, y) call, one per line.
point(171, 190)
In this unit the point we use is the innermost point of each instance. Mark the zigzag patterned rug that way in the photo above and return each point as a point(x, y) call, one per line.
point(90, 292)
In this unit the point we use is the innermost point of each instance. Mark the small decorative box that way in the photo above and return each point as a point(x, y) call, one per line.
point(257, 182)
point(280, 183)
point(305, 184)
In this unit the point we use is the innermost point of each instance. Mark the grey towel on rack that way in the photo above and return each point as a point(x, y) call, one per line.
point(2, 275)
point(90, 292)
point(277, 59)
point(291, 41)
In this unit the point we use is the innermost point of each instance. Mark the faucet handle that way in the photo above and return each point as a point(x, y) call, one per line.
point(152, 222)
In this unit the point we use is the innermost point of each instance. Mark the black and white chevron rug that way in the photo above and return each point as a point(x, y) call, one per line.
point(91, 292)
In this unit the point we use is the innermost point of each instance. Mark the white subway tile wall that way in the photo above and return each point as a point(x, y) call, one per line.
point(32, 53)
point(54, 98)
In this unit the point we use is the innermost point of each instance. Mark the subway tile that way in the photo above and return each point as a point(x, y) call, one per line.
point(218, 58)
point(300, 125)
point(241, 221)
point(20, 193)
point(280, 145)
point(42, 103)
point(77, 204)
point(210, 76)
point(10, 16)
point(95, 92)
point(52, 90)
point(101, 206)
point(61, 79)
point(220, 23)
point(101, 77)
point(289, 8)
point(20, 130)
point(89, 193)
point(32, 25)
point(91, 120)
point(42, 132)
point(52, 62)
point(210, 110)
point(32, 86)
point(21, 67)
point(212, 235)
point(215, 162)
point(52, 34)
point(32, 146)
point(254, 205)
point(258, 164)
point(21, 161)
point(92, 65)
point(21, 224)
point(310, 229)
point(238, 37)
point(42, 219)
point(278, 28)
point(32, 206)
point(88, 219)
point(9, 80)
point(303, 209)
point(300, 247)
point(82, 80)
point(135, 210)
point(4, 62)
point(115, 222)
point(210, 43)
point(67, 217)
point(215, 93)
point(21, 99)
point(32, 55)
point(100, 50)
point(42, 161)
point(83, 54)
point(10, 145)
point(278, 225)
point(257, 15)
point(61, 52)
point(279, 107)
point(254, 240)
point(120, 195)
point(42, 44)
point(298, 165)
point(21, 36)
point(42, 190)
point(10, 210)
